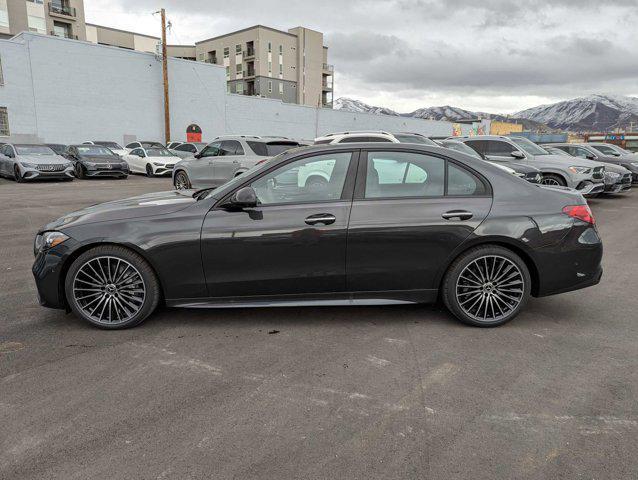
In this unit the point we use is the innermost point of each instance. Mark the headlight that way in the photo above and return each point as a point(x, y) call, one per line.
point(48, 240)
point(158, 164)
point(68, 165)
point(577, 169)
point(28, 165)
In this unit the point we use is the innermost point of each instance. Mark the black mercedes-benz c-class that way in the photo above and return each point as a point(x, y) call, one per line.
point(337, 224)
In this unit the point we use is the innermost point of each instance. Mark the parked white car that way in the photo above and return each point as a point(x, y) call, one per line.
point(154, 161)
point(116, 148)
point(367, 136)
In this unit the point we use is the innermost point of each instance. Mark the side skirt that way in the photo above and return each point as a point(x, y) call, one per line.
point(394, 297)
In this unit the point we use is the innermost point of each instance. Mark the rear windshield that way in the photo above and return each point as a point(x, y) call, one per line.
point(34, 150)
point(271, 149)
point(109, 145)
point(93, 150)
point(403, 138)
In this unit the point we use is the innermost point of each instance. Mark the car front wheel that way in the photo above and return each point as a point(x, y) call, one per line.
point(553, 180)
point(112, 287)
point(486, 286)
point(17, 175)
point(149, 170)
point(181, 181)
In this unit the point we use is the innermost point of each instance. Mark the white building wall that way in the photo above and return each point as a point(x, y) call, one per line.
point(65, 91)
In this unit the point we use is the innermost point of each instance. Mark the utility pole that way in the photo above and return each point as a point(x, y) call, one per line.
point(167, 112)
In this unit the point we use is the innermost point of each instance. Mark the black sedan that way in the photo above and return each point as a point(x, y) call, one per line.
point(394, 223)
point(96, 161)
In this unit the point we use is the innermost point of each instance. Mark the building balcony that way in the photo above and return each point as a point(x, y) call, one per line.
point(210, 60)
point(327, 87)
point(249, 53)
point(248, 73)
point(328, 69)
point(62, 10)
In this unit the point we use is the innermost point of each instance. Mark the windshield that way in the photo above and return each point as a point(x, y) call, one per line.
point(59, 149)
point(33, 150)
point(94, 150)
point(404, 138)
point(271, 149)
point(461, 147)
point(529, 146)
point(158, 152)
point(109, 145)
point(606, 149)
point(200, 146)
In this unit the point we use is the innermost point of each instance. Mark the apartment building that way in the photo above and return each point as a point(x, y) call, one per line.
point(62, 18)
point(291, 66)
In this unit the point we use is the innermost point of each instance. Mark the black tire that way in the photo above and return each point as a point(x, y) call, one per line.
point(460, 292)
point(141, 270)
point(316, 183)
point(16, 174)
point(182, 182)
point(80, 172)
point(149, 171)
point(553, 179)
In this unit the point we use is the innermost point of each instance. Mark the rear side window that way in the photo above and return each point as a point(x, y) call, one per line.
point(407, 174)
point(230, 147)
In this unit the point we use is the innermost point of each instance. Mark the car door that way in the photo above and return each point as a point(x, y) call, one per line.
point(136, 161)
point(228, 162)
point(407, 221)
point(200, 170)
point(292, 243)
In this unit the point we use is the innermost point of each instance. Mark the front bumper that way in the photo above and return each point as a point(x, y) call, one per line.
point(587, 188)
point(48, 271)
point(38, 174)
point(166, 169)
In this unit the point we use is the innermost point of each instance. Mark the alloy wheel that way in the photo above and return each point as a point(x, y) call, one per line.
point(490, 288)
point(550, 181)
point(181, 181)
point(109, 290)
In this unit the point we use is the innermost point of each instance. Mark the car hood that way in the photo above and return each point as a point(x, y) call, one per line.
point(159, 203)
point(565, 161)
point(41, 159)
point(609, 167)
point(100, 159)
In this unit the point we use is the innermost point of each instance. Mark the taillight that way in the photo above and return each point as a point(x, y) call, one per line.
point(581, 212)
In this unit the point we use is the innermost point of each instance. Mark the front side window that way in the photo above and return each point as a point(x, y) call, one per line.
point(604, 149)
point(138, 152)
point(315, 179)
point(211, 150)
point(404, 174)
point(580, 152)
point(529, 146)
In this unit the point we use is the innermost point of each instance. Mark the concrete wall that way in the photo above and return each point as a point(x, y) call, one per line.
point(59, 90)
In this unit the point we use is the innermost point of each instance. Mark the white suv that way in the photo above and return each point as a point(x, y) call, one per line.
point(373, 136)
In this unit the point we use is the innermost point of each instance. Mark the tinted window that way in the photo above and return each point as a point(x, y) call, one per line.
point(498, 148)
point(230, 147)
point(137, 151)
point(270, 149)
point(186, 147)
point(364, 139)
point(404, 174)
point(315, 179)
point(606, 150)
point(211, 150)
point(462, 182)
point(529, 146)
point(479, 146)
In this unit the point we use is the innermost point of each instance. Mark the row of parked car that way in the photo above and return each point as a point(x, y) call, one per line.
point(591, 168)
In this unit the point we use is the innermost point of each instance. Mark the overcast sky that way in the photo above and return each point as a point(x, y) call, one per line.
point(484, 55)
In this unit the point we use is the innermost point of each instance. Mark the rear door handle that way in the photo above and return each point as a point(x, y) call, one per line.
point(325, 218)
point(460, 214)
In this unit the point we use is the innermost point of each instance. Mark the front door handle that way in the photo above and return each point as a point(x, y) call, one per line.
point(325, 218)
point(460, 214)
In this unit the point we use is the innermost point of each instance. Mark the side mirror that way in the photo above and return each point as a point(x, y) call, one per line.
point(198, 155)
point(517, 154)
point(590, 156)
point(244, 198)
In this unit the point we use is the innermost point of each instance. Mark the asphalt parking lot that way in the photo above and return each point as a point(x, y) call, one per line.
point(315, 393)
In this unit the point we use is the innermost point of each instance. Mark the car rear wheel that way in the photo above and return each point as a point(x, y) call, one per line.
point(181, 181)
point(17, 175)
point(487, 286)
point(554, 180)
point(112, 287)
point(149, 170)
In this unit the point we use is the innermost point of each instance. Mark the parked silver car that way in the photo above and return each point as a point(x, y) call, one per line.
point(29, 162)
point(188, 149)
point(225, 158)
point(584, 175)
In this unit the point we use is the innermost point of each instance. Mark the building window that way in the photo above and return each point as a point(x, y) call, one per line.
point(1, 74)
point(269, 47)
point(4, 122)
point(269, 68)
point(37, 24)
point(226, 52)
point(238, 69)
point(240, 88)
point(227, 73)
point(228, 88)
point(4, 14)
point(269, 86)
point(281, 69)
point(62, 30)
point(237, 49)
point(281, 49)
point(281, 88)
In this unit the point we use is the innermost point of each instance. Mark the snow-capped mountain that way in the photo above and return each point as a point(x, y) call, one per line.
point(592, 113)
point(351, 105)
point(598, 113)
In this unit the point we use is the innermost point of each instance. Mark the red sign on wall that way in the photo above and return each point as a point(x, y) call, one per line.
point(193, 133)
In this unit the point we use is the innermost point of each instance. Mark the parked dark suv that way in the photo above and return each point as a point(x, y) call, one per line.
point(96, 161)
